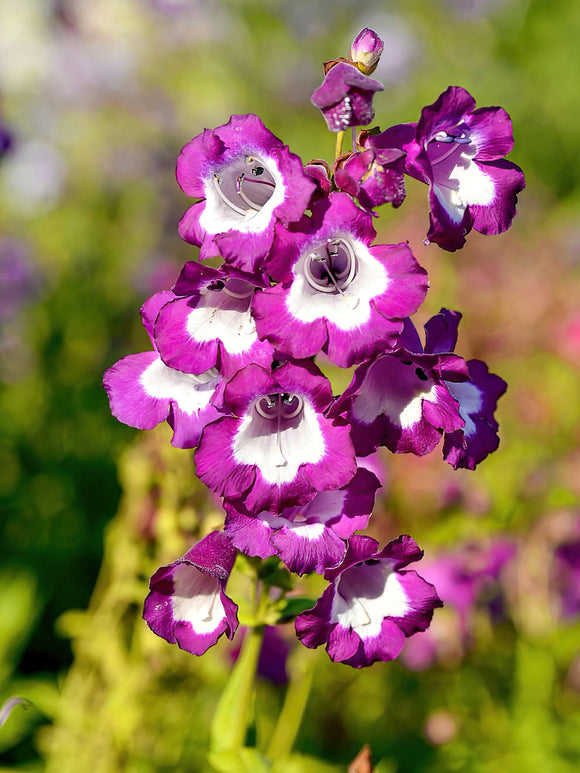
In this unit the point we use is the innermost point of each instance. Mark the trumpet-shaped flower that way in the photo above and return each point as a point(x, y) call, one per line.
point(247, 181)
point(345, 97)
point(311, 537)
point(459, 152)
point(143, 391)
point(371, 605)
point(187, 604)
point(276, 448)
point(208, 323)
point(336, 292)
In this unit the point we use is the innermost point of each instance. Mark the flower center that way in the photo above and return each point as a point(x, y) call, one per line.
point(447, 149)
point(280, 407)
point(331, 267)
point(234, 287)
point(245, 186)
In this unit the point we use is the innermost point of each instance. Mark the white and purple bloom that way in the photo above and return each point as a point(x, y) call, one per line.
point(187, 604)
point(400, 399)
point(407, 399)
point(276, 448)
point(208, 322)
point(373, 603)
point(143, 391)
point(476, 396)
point(336, 292)
point(247, 181)
point(345, 97)
point(459, 152)
point(308, 538)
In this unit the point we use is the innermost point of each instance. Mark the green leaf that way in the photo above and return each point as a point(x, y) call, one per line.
point(233, 715)
point(290, 608)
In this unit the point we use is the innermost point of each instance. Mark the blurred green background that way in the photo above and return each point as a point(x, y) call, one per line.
point(99, 98)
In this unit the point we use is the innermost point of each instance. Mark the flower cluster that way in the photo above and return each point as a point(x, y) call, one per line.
point(235, 363)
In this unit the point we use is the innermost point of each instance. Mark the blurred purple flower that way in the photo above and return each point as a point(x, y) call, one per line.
point(464, 579)
point(19, 278)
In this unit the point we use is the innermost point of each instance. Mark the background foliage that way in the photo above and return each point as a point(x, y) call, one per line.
point(99, 97)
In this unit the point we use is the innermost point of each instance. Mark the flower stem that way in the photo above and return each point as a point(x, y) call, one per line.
point(338, 147)
point(233, 714)
point(290, 718)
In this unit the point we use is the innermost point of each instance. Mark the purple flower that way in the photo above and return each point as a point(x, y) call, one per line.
point(477, 397)
point(308, 538)
point(372, 176)
point(459, 152)
point(207, 323)
point(187, 604)
point(366, 50)
point(463, 578)
point(346, 96)
point(371, 605)
point(566, 577)
point(407, 399)
point(143, 391)
point(276, 448)
point(401, 400)
point(248, 180)
point(19, 278)
point(336, 293)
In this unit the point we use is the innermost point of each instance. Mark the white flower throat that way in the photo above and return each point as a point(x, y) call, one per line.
point(280, 408)
point(245, 186)
point(331, 267)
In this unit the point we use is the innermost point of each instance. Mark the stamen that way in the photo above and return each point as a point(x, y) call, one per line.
point(242, 195)
point(217, 183)
point(339, 263)
point(233, 185)
point(279, 442)
point(445, 138)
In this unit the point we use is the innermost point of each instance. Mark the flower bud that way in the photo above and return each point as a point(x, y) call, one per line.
point(366, 50)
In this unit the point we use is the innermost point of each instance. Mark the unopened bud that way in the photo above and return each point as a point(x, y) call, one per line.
point(366, 50)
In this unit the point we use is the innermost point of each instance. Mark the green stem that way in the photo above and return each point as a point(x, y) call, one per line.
point(232, 717)
point(290, 718)
point(338, 147)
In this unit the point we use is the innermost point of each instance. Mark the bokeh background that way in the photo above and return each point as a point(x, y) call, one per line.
point(96, 100)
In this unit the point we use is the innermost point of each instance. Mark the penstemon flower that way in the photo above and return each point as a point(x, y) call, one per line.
point(275, 447)
point(208, 323)
point(143, 391)
point(459, 152)
point(238, 352)
point(247, 181)
point(308, 538)
point(371, 605)
point(187, 604)
point(336, 292)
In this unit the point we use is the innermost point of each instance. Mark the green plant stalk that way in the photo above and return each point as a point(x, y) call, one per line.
point(338, 145)
point(232, 717)
point(290, 719)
